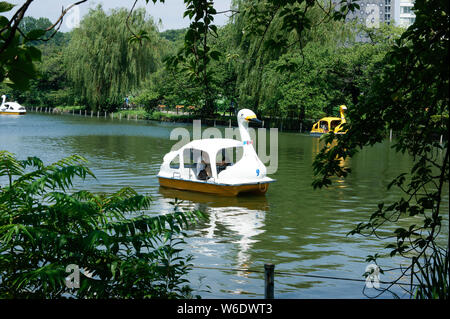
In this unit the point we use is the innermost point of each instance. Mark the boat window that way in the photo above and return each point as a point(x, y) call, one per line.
point(227, 157)
point(334, 124)
point(191, 157)
point(175, 163)
point(324, 125)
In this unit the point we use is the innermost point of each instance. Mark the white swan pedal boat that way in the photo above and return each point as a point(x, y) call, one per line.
point(209, 166)
point(11, 108)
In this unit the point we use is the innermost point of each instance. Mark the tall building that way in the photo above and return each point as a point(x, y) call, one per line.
point(403, 13)
point(373, 12)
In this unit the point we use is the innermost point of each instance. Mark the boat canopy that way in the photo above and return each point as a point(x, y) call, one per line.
point(225, 166)
point(211, 146)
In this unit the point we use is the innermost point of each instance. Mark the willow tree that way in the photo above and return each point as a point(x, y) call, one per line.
point(104, 62)
point(269, 31)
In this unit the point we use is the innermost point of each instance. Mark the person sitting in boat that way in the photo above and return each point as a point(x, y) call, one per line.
point(222, 165)
point(324, 126)
point(204, 168)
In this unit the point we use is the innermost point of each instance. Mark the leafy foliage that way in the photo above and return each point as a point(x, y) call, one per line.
point(102, 62)
point(121, 250)
point(193, 60)
point(17, 56)
point(409, 96)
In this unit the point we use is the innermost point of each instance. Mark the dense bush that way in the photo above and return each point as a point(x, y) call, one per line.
point(121, 250)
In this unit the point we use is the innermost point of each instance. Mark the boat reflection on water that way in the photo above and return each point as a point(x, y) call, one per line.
point(238, 219)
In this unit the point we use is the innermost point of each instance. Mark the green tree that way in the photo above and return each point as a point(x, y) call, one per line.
point(274, 35)
point(193, 60)
point(101, 61)
point(50, 87)
point(411, 97)
point(46, 225)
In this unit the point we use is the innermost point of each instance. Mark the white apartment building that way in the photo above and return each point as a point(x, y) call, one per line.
point(374, 12)
point(403, 13)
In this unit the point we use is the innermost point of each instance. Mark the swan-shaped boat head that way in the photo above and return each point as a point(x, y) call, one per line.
point(220, 166)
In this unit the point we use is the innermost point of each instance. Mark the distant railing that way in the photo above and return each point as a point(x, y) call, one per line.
point(84, 113)
point(283, 124)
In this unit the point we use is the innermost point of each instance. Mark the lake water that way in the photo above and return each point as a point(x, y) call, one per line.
point(300, 230)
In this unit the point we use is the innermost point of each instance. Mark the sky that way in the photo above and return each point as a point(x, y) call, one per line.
point(168, 15)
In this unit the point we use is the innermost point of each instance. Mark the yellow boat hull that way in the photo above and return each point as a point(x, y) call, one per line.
point(218, 189)
point(12, 113)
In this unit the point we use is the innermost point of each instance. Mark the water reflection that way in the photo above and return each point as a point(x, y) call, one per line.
point(239, 218)
point(294, 227)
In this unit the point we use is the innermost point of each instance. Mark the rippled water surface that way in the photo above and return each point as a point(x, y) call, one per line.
point(298, 229)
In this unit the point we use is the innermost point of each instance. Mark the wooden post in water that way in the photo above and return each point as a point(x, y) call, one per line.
point(92, 112)
point(105, 114)
point(229, 123)
point(98, 114)
point(269, 270)
point(120, 116)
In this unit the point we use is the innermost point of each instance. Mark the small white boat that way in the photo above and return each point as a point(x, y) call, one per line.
point(209, 165)
point(11, 108)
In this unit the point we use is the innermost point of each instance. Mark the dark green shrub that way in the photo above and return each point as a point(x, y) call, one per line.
point(122, 251)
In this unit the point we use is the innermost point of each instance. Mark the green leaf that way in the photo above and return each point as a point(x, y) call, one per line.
point(35, 53)
point(35, 34)
point(215, 55)
point(6, 6)
point(3, 21)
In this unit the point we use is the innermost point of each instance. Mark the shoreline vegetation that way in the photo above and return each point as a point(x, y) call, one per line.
point(287, 62)
point(288, 89)
point(221, 119)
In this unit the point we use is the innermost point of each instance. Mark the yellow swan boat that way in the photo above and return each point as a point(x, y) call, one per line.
point(330, 124)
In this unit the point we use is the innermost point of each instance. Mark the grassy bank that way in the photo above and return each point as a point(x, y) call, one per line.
point(283, 124)
point(69, 109)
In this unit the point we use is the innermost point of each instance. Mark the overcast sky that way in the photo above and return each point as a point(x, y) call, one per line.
point(170, 14)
